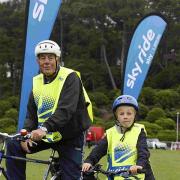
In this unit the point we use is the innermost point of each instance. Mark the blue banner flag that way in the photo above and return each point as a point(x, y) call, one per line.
point(41, 17)
point(142, 48)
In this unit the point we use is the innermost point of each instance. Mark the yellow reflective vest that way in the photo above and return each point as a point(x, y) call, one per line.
point(46, 97)
point(123, 154)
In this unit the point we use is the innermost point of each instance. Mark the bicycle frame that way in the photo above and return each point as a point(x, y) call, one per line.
point(2, 170)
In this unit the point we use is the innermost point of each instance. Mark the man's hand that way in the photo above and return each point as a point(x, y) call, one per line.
point(25, 144)
point(37, 135)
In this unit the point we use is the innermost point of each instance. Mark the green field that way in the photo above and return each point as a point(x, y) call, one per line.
point(165, 164)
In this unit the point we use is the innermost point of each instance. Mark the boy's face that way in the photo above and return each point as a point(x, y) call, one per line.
point(125, 115)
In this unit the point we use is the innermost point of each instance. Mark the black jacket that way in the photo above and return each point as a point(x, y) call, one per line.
point(142, 154)
point(71, 116)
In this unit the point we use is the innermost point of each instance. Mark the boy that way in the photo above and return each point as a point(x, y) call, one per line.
point(125, 143)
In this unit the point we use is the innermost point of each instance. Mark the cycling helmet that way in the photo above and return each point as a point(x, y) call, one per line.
point(125, 100)
point(48, 46)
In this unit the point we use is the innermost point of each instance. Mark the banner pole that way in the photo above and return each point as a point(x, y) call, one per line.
point(177, 128)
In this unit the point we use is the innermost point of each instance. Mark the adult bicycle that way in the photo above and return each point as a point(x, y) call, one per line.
point(52, 162)
point(93, 173)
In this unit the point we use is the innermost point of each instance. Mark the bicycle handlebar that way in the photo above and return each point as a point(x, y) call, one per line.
point(97, 169)
point(21, 136)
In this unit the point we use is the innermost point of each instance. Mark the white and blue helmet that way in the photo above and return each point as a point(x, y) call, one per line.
point(125, 100)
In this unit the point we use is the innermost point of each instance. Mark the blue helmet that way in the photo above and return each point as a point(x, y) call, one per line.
point(125, 100)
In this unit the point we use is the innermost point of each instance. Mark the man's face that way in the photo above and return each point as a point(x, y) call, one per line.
point(47, 63)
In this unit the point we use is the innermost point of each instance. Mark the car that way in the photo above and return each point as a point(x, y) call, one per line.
point(155, 143)
point(94, 134)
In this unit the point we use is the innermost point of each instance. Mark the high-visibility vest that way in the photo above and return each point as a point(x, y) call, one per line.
point(123, 154)
point(46, 97)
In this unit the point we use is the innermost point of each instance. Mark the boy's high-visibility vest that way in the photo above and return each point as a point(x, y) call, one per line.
point(123, 154)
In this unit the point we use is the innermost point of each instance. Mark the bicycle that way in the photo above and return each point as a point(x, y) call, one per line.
point(52, 162)
point(92, 174)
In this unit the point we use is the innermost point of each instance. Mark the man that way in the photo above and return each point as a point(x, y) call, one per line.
point(57, 115)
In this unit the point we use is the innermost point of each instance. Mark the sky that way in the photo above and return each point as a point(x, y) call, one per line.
point(3, 0)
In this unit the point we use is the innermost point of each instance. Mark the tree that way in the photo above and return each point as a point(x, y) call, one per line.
point(101, 23)
point(170, 10)
point(165, 79)
point(11, 45)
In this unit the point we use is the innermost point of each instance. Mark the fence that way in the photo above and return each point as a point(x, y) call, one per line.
point(175, 145)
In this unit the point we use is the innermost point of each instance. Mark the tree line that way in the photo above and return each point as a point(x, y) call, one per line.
point(94, 36)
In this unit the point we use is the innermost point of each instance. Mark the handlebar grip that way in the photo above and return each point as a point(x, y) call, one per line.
point(140, 171)
point(87, 174)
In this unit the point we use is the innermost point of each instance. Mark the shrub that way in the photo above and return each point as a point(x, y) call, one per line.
point(167, 98)
point(166, 123)
point(154, 114)
point(4, 106)
point(147, 96)
point(98, 121)
point(172, 113)
point(109, 123)
point(10, 129)
point(178, 89)
point(14, 101)
point(104, 123)
point(5, 122)
point(99, 98)
point(167, 135)
point(12, 113)
point(151, 128)
point(143, 110)
point(7, 125)
point(113, 94)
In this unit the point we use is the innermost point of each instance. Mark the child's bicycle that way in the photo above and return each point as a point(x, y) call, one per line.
point(93, 173)
point(52, 162)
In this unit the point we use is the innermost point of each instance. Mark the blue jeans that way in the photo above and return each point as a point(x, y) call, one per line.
point(70, 158)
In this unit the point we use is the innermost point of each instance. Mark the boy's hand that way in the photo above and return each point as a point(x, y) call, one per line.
point(133, 169)
point(86, 167)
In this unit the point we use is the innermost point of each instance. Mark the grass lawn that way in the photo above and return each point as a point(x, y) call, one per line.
point(165, 164)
